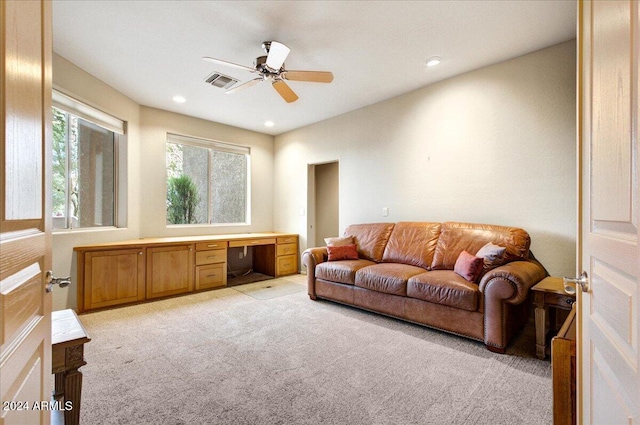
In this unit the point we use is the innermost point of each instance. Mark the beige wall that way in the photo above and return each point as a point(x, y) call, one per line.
point(146, 182)
point(495, 145)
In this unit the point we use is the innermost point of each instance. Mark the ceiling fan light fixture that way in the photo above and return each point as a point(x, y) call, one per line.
point(433, 61)
point(270, 68)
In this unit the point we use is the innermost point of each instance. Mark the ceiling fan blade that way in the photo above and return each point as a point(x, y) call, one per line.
point(285, 91)
point(278, 52)
point(312, 76)
point(234, 65)
point(243, 86)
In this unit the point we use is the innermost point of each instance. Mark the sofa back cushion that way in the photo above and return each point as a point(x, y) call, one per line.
point(457, 237)
point(370, 239)
point(412, 243)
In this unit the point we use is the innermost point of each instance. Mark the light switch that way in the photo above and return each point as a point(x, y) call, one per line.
point(385, 211)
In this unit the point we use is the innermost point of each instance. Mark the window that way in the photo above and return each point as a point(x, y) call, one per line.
point(84, 165)
point(207, 182)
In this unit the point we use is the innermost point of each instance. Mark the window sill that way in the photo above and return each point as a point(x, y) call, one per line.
point(87, 230)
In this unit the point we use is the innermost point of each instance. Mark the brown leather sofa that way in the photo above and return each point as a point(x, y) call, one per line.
point(406, 271)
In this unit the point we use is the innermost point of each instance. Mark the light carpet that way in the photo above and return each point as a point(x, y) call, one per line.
point(225, 357)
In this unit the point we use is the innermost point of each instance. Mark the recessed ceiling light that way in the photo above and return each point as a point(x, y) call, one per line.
point(269, 123)
point(179, 99)
point(433, 61)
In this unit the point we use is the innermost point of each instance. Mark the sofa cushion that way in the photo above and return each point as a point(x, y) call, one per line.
point(389, 278)
point(371, 239)
point(343, 252)
point(412, 243)
point(341, 271)
point(444, 287)
point(457, 237)
point(469, 266)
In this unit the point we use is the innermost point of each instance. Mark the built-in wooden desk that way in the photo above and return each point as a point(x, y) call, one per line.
point(122, 272)
point(68, 337)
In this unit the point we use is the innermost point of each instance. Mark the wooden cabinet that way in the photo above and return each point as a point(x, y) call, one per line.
point(169, 270)
point(211, 265)
point(286, 255)
point(124, 272)
point(111, 277)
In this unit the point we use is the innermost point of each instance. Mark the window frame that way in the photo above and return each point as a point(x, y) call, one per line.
point(212, 145)
point(118, 127)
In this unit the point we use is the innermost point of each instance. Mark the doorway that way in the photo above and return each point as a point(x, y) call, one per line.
point(323, 202)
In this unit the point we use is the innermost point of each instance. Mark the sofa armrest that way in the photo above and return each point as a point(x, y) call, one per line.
point(311, 257)
point(507, 284)
point(515, 279)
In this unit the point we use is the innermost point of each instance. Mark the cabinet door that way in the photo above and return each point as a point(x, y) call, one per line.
point(169, 270)
point(113, 277)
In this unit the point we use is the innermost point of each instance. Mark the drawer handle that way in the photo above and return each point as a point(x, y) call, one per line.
point(211, 275)
point(211, 256)
point(212, 246)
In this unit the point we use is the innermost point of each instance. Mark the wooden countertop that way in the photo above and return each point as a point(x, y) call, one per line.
point(183, 239)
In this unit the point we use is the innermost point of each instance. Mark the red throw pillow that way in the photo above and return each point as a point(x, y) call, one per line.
point(469, 266)
point(345, 252)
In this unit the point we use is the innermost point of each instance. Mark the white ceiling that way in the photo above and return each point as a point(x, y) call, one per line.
point(151, 50)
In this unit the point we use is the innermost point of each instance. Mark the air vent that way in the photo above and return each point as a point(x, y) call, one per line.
point(218, 80)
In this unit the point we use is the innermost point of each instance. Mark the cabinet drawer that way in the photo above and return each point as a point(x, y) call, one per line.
point(211, 256)
point(211, 276)
point(287, 264)
point(249, 242)
point(288, 239)
point(287, 249)
point(559, 300)
point(204, 246)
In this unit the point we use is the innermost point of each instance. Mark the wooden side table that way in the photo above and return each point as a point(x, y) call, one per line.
point(549, 292)
point(68, 337)
point(563, 372)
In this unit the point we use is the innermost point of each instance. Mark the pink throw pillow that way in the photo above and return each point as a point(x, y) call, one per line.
point(469, 266)
point(345, 252)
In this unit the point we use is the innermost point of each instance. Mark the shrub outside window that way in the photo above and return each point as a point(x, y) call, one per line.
point(207, 182)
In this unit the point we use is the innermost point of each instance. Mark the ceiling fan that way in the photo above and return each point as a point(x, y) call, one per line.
point(271, 68)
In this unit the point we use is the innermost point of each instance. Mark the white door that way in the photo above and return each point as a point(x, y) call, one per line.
point(609, 315)
point(25, 236)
